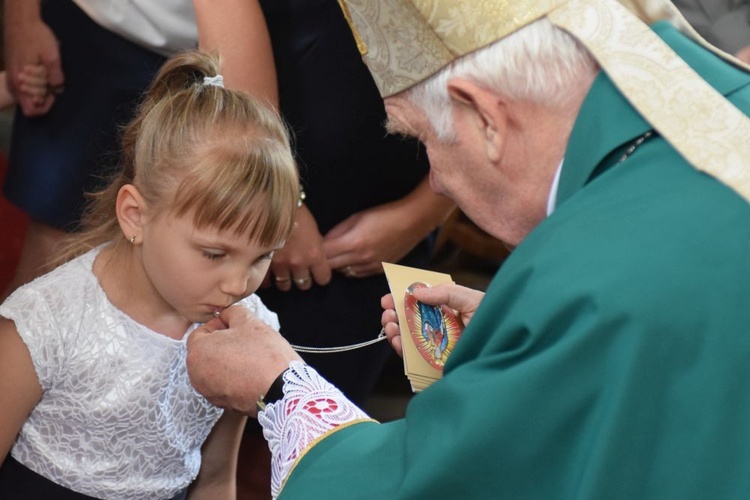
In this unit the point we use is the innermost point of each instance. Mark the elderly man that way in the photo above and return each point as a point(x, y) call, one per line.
point(610, 356)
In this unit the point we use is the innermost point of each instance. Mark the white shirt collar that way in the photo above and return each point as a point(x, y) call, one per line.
point(552, 200)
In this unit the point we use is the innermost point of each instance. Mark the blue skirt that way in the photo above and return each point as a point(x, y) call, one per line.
point(56, 158)
point(18, 482)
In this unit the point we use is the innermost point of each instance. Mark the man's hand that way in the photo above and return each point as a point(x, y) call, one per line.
point(464, 301)
point(232, 360)
point(389, 320)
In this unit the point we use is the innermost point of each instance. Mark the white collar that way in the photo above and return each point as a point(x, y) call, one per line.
point(552, 199)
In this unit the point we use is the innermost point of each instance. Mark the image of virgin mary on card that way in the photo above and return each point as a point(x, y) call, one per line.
point(434, 330)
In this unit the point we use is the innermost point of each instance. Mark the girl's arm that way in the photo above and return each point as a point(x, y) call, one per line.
point(218, 475)
point(19, 386)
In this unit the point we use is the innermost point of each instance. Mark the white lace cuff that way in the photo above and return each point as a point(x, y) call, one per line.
point(311, 407)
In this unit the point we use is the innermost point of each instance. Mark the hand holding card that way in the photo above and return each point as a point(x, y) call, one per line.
point(428, 333)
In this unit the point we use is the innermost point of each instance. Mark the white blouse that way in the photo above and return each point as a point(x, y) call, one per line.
point(118, 418)
point(163, 26)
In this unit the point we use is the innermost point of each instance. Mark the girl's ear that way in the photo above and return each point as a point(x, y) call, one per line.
point(131, 211)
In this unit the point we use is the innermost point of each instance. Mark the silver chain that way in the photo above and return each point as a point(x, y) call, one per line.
point(341, 348)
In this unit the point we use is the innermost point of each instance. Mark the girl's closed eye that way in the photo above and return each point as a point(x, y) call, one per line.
point(213, 255)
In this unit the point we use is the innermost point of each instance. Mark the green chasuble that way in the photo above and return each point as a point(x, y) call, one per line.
point(610, 358)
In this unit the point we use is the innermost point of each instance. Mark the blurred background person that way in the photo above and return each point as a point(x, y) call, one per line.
point(98, 57)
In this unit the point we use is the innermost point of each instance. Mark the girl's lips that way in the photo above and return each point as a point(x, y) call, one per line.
point(218, 309)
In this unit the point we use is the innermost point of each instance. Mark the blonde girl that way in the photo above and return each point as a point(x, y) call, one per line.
point(94, 396)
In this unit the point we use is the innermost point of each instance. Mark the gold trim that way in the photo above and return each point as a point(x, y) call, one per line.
point(319, 439)
point(361, 45)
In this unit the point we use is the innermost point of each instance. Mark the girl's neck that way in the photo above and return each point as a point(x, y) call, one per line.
point(123, 279)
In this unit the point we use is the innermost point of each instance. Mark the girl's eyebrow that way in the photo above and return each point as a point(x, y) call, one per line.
point(212, 242)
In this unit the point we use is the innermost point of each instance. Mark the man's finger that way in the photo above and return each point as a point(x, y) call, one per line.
point(214, 324)
point(393, 333)
point(459, 298)
point(387, 302)
point(234, 314)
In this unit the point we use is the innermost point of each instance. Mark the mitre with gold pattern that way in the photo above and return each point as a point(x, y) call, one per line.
point(404, 42)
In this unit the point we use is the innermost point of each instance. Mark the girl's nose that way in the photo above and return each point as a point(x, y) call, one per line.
point(235, 284)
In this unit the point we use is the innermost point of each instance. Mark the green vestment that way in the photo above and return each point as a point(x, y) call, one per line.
point(610, 357)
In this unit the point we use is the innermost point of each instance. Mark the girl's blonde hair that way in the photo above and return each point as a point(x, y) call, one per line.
point(201, 147)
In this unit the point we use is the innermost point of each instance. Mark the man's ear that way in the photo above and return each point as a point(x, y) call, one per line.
point(486, 110)
point(131, 211)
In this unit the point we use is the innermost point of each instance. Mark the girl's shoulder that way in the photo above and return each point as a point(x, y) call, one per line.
point(65, 287)
point(48, 314)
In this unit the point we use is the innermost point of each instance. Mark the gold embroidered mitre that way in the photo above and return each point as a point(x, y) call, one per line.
point(404, 42)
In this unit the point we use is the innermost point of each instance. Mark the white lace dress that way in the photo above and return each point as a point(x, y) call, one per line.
point(118, 418)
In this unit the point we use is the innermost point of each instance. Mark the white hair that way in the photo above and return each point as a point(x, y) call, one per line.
point(539, 62)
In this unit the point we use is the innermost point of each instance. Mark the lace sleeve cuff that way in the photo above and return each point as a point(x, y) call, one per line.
point(310, 409)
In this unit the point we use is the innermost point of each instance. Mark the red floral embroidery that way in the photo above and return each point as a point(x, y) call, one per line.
point(291, 406)
point(309, 409)
point(319, 406)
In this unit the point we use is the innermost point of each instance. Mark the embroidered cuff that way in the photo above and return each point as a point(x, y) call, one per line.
point(310, 408)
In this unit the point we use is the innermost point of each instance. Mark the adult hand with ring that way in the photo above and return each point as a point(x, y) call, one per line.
point(301, 256)
point(349, 272)
point(283, 282)
point(302, 283)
